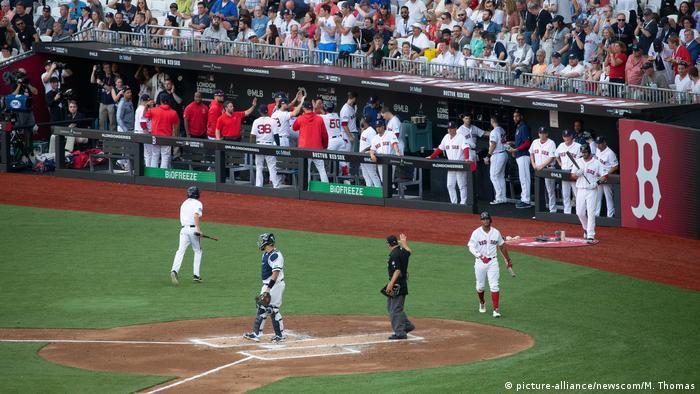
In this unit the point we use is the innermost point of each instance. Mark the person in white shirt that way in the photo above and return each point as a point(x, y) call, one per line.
point(393, 125)
point(245, 32)
point(142, 124)
point(488, 61)
point(416, 10)
point(190, 218)
point(467, 60)
point(347, 42)
point(522, 56)
point(447, 22)
point(574, 69)
point(287, 23)
point(403, 24)
point(369, 171)
point(608, 159)
point(590, 44)
point(383, 143)
point(588, 174)
point(418, 40)
point(484, 244)
point(569, 145)
point(336, 134)
point(456, 148)
point(497, 159)
point(542, 155)
point(348, 121)
point(327, 27)
point(470, 133)
point(283, 117)
point(683, 81)
point(264, 131)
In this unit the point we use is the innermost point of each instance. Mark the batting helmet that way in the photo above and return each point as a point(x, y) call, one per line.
point(193, 192)
point(485, 216)
point(585, 149)
point(265, 239)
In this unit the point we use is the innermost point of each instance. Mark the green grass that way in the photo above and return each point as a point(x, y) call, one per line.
point(85, 270)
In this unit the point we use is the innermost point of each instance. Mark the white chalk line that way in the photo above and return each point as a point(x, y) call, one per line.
point(411, 337)
point(264, 358)
point(97, 341)
point(203, 374)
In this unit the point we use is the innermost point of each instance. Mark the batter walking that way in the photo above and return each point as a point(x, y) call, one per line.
point(397, 288)
point(484, 245)
point(272, 274)
point(190, 216)
point(588, 174)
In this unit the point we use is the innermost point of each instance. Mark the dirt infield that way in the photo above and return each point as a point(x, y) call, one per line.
point(641, 254)
point(210, 355)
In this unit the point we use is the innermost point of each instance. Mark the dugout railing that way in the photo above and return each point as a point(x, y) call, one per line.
point(230, 167)
point(542, 211)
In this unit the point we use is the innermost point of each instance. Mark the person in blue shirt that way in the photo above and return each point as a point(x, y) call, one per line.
point(372, 109)
point(227, 10)
point(521, 152)
point(74, 8)
point(259, 21)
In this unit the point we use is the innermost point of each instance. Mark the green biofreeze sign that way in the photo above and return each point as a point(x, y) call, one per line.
point(180, 175)
point(346, 190)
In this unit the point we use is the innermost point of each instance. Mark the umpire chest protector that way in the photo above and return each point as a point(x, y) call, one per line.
point(268, 260)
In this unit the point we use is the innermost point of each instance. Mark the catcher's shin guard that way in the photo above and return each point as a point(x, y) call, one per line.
point(277, 323)
point(259, 323)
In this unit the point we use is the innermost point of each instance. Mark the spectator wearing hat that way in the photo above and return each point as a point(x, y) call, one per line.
point(577, 41)
point(228, 126)
point(555, 67)
point(125, 111)
point(646, 30)
point(44, 23)
point(608, 160)
point(653, 79)
point(216, 109)
point(559, 34)
point(633, 66)
point(418, 40)
point(195, 117)
point(226, 10)
point(455, 147)
point(287, 22)
point(312, 135)
point(477, 43)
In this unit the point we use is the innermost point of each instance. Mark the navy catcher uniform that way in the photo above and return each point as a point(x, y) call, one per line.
point(272, 275)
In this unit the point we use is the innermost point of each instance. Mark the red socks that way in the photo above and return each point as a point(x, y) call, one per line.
point(494, 298)
point(481, 296)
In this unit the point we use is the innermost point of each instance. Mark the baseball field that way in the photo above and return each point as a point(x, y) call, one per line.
point(87, 304)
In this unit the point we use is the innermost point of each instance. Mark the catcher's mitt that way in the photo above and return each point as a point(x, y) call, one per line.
point(263, 299)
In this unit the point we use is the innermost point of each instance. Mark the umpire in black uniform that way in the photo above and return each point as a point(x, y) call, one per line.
point(397, 288)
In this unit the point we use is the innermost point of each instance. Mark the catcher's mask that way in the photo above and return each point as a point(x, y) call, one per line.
point(266, 239)
point(193, 192)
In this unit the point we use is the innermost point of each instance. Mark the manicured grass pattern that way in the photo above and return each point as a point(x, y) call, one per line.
point(84, 270)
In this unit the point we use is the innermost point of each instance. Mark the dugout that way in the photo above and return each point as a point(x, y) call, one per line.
point(439, 100)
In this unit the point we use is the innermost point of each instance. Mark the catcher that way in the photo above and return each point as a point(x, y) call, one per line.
point(270, 299)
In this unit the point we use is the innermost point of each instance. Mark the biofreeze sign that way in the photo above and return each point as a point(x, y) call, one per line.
point(346, 190)
point(180, 175)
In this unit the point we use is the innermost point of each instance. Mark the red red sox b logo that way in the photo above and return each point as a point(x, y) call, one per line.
point(647, 175)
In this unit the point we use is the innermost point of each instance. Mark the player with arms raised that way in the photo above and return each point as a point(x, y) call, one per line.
point(484, 245)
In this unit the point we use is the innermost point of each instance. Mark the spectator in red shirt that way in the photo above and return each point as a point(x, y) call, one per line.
point(312, 135)
point(272, 107)
point(617, 59)
point(680, 53)
point(216, 108)
point(164, 122)
point(195, 117)
point(228, 126)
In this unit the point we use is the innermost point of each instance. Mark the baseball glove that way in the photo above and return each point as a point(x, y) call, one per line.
point(263, 299)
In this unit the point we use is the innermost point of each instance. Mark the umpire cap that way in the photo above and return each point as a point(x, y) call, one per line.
point(392, 240)
point(485, 216)
point(193, 192)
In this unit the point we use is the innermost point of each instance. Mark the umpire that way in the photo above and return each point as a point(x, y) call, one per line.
point(397, 288)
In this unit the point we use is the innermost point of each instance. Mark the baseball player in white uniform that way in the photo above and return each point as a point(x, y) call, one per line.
point(542, 156)
point(272, 274)
point(393, 126)
point(369, 171)
point(567, 188)
point(190, 217)
point(608, 159)
point(348, 120)
point(588, 173)
point(470, 133)
point(456, 148)
point(337, 139)
point(142, 125)
point(498, 158)
point(283, 117)
point(484, 244)
point(265, 132)
point(383, 143)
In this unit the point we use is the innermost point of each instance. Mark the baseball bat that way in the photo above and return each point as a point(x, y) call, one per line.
point(512, 273)
point(208, 236)
point(573, 160)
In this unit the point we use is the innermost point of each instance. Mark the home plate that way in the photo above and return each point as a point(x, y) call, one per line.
point(239, 341)
point(298, 352)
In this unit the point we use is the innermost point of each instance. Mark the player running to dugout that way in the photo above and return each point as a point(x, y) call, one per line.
point(190, 216)
point(273, 286)
point(483, 244)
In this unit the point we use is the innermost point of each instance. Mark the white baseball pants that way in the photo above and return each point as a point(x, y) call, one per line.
point(567, 189)
point(585, 209)
point(147, 154)
point(284, 141)
point(498, 175)
point(609, 203)
point(550, 186)
point(321, 167)
point(187, 238)
point(271, 161)
point(490, 270)
point(162, 154)
point(458, 179)
point(339, 144)
point(524, 175)
point(276, 293)
point(369, 173)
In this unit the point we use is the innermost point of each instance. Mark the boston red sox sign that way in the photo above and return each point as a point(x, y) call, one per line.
point(659, 178)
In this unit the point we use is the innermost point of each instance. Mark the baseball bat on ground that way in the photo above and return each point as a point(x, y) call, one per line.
point(573, 160)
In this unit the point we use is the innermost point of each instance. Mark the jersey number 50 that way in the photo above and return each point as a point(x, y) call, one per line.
point(335, 123)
